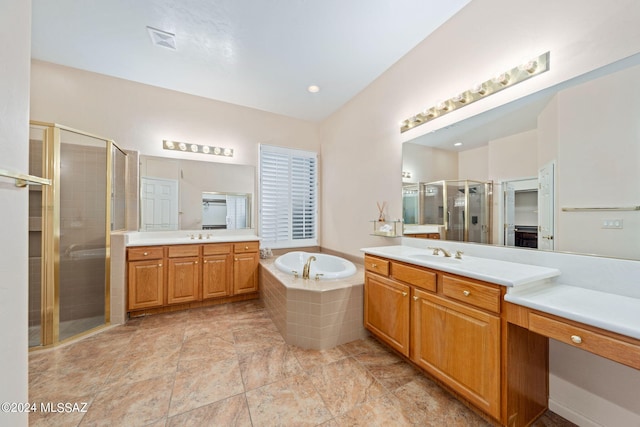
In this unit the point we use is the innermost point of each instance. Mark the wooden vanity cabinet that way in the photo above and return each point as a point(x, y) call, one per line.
point(145, 274)
point(460, 346)
point(245, 267)
point(217, 270)
point(183, 277)
point(386, 311)
point(454, 328)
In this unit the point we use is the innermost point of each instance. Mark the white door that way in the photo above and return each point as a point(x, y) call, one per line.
point(158, 204)
point(546, 195)
point(510, 215)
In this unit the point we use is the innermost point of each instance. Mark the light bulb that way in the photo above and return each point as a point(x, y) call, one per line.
point(502, 79)
point(194, 148)
point(170, 145)
point(529, 66)
point(205, 149)
point(182, 146)
point(479, 89)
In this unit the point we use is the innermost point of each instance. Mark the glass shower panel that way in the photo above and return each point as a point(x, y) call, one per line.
point(456, 210)
point(432, 203)
point(478, 212)
point(36, 155)
point(83, 233)
point(410, 204)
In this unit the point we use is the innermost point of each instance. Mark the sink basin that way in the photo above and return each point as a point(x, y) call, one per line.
point(435, 258)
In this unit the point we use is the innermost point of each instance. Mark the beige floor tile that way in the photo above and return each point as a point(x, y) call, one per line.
point(380, 412)
point(138, 366)
point(345, 384)
point(290, 402)
point(198, 384)
point(310, 359)
point(231, 412)
point(256, 339)
point(388, 368)
point(135, 404)
point(206, 348)
point(267, 366)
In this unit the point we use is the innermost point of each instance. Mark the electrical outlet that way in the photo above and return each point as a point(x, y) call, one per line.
point(612, 223)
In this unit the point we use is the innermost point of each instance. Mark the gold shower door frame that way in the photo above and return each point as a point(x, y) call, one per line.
point(50, 268)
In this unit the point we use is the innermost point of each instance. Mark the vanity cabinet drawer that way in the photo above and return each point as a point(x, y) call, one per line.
point(244, 247)
point(589, 340)
point(142, 253)
point(414, 276)
point(470, 292)
point(184, 251)
point(376, 265)
point(216, 249)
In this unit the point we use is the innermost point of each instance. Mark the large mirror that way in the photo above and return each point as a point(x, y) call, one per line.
point(180, 194)
point(564, 163)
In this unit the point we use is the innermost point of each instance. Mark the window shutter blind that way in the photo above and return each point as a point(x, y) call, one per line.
point(288, 197)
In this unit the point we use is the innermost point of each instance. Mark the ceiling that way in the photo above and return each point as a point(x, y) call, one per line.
point(259, 54)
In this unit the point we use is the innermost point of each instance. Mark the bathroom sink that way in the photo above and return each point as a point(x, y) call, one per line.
point(435, 258)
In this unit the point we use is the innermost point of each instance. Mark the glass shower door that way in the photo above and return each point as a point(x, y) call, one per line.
point(83, 233)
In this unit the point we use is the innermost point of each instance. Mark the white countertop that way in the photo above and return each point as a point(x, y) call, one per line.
point(490, 270)
point(616, 313)
point(157, 238)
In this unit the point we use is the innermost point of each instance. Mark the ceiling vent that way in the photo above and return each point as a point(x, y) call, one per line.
point(162, 38)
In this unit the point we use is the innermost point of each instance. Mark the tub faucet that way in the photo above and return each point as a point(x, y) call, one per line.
point(307, 266)
point(436, 251)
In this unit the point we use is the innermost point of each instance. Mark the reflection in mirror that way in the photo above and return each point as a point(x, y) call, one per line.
point(225, 211)
point(456, 210)
point(171, 192)
point(577, 141)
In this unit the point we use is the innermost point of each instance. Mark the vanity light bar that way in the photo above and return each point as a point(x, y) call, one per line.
point(196, 148)
point(501, 81)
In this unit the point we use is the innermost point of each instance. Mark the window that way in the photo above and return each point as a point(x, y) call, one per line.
point(288, 197)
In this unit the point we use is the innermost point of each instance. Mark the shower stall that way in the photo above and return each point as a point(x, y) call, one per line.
point(462, 207)
point(70, 222)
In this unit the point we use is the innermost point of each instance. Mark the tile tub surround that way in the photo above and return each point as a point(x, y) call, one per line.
point(314, 314)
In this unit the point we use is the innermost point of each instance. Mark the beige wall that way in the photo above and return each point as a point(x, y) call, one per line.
point(14, 155)
point(599, 164)
point(138, 117)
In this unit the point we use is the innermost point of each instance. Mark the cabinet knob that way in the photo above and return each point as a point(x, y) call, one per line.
point(159, 265)
point(235, 259)
point(374, 265)
point(145, 253)
point(415, 298)
point(404, 294)
point(246, 247)
point(576, 339)
point(196, 262)
point(466, 293)
point(205, 261)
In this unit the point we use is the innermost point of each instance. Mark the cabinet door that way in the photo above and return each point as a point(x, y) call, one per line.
point(216, 276)
point(460, 346)
point(245, 273)
point(183, 281)
point(145, 284)
point(386, 311)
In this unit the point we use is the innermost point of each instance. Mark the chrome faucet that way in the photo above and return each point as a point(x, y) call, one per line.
point(307, 266)
point(436, 251)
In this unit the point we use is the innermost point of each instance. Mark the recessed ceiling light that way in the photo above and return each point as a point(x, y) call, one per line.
point(457, 144)
point(162, 38)
point(313, 89)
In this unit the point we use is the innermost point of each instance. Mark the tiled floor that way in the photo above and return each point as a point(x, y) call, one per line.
point(229, 366)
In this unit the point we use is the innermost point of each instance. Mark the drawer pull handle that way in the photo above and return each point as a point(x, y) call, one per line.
point(415, 298)
point(145, 253)
point(466, 293)
point(404, 294)
point(576, 339)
